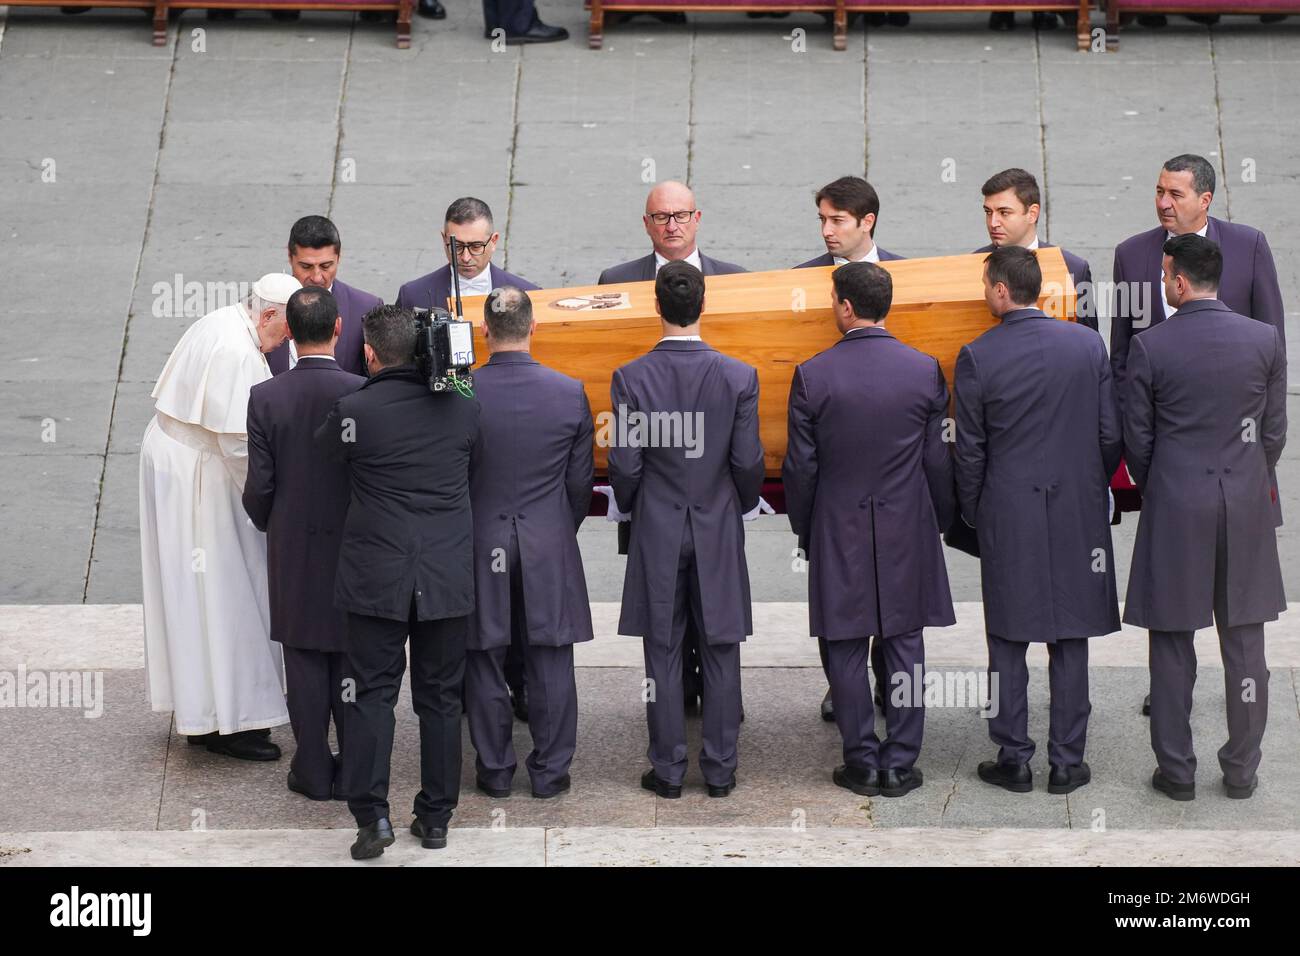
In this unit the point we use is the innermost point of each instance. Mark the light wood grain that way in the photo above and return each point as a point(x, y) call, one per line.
point(773, 321)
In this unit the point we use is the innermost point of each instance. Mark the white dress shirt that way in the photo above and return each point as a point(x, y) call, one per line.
point(871, 256)
point(1164, 298)
point(693, 259)
point(481, 284)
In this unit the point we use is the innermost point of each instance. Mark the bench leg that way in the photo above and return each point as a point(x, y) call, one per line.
point(1083, 31)
point(404, 25)
point(160, 23)
point(1112, 27)
point(840, 38)
point(596, 29)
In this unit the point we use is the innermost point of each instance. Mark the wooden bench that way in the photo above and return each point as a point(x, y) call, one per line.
point(161, 8)
point(1119, 12)
point(838, 10)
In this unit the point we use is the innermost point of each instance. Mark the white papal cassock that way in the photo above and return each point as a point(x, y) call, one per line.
point(208, 653)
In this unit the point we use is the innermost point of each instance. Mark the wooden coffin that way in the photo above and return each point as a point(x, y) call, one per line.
point(771, 320)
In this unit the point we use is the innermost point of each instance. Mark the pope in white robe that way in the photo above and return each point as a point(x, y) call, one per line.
point(208, 654)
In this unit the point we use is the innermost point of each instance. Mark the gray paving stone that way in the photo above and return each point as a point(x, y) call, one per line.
point(203, 151)
point(48, 418)
point(48, 519)
point(67, 771)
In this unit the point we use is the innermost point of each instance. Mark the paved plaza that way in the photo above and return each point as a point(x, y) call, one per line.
point(131, 176)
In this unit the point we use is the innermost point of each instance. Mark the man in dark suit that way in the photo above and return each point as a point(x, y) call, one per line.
point(314, 253)
point(1012, 204)
point(671, 220)
point(299, 499)
point(686, 462)
point(868, 506)
point(1204, 426)
point(469, 222)
point(1248, 285)
point(530, 487)
point(1038, 437)
point(848, 209)
point(405, 568)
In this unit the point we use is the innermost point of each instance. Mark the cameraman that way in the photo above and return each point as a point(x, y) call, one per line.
point(405, 568)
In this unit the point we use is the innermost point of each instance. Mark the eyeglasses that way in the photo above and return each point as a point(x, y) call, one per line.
point(681, 216)
point(474, 248)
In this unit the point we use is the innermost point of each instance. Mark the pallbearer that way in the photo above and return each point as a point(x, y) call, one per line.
point(300, 498)
point(687, 463)
point(848, 209)
point(530, 487)
point(1012, 204)
point(315, 251)
point(868, 485)
point(1038, 438)
point(1204, 426)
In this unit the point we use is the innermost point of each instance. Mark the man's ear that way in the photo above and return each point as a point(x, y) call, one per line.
point(658, 311)
point(369, 354)
point(1034, 212)
point(532, 328)
point(338, 326)
point(704, 305)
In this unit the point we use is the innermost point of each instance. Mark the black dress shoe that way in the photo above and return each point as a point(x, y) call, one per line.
point(287, 16)
point(539, 32)
point(1045, 20)
point(1209, 19)
point(494, 792)
point(1272, 17)
point(1016, 777)
point(201, 740)
point(1068, 779)
point(1235, 792)
point(876, 19)
point(245, 745)
point(431, 10)
point(73, 11)
point(563, 785)
point(649, 781)
point(863, 781)
point(297, 787)
point(1174, 791)
point(431, 837)
point(519, 702)
point(722, 791)
point(899, 783)
point(828, 707)
point(1002, 20)
point(372, 839)
point(1146, 706)
point(899, 19)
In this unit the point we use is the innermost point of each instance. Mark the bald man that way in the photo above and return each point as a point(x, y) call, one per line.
point(671, 220)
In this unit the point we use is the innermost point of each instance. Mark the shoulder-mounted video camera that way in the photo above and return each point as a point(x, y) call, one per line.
point(444, 350)
point(444, 345)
